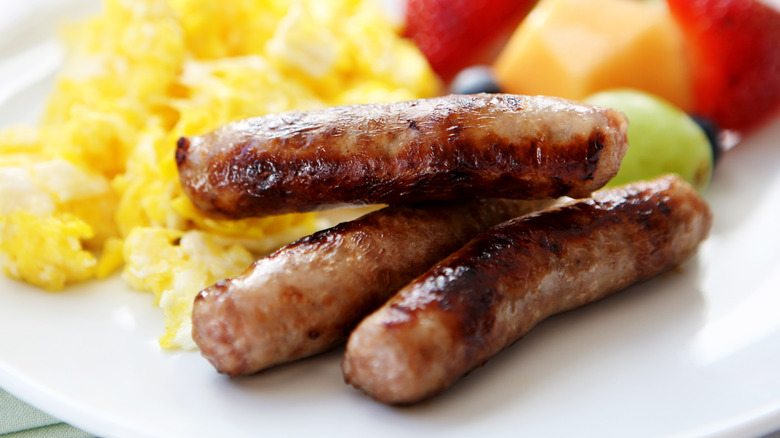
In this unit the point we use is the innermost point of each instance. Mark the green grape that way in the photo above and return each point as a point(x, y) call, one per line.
point(662, 139)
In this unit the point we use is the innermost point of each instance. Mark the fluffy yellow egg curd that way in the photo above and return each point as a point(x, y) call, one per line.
point(93, 188)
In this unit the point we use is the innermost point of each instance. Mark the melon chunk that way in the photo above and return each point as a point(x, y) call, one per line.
point(574, 48)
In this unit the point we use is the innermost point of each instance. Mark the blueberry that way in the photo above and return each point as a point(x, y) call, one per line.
point(713, 135)
point(473, 80)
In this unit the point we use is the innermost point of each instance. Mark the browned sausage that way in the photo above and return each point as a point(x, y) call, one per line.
point(495, 289)
point(306, 297)
point(453, 147)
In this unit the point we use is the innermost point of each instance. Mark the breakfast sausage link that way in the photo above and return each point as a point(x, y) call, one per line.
point(495, 289)
point(452, 147)
point(306, 297)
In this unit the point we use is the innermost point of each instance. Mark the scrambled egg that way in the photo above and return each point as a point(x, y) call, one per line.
point(94, 188)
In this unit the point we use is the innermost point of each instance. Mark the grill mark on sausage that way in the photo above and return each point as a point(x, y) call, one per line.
point(306, 297)
point(435, 149)
point(495, 289)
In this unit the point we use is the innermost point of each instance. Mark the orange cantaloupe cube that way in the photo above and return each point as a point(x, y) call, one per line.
point(574, 48)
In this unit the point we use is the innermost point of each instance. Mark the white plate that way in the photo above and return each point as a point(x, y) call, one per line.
point(691, 353)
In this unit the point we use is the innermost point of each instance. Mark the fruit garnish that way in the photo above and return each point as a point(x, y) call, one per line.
point(735, 52)
point(663, 139)
point(714, 136)
point(475, 79)
point(454, 34)
point(574, 48)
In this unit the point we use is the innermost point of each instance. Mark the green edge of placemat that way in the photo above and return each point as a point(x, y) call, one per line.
point(59, 430)
point(20, 420)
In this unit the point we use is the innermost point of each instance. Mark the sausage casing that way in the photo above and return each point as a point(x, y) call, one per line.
point(452, 147)
point(306, 297)
point(496, 288)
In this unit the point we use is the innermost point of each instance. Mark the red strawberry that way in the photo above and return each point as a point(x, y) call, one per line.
point(454, 34)
point(735, 48)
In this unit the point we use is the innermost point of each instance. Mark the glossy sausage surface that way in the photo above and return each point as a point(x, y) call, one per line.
point(306, 297)
point(452, 147)
point(502, 283)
